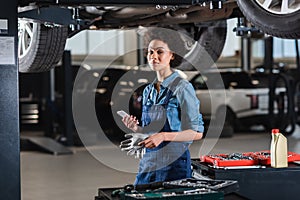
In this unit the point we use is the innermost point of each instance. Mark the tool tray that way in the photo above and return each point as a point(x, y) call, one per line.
point(184, 189)
point(224, 186)
point(175, 194)
point(226, 160)
point(244, 159)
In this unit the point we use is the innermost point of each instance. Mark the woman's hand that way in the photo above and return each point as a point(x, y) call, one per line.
point(153, 140)
point(131, 122)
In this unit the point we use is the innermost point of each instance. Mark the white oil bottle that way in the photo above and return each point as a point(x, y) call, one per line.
point(279, 153)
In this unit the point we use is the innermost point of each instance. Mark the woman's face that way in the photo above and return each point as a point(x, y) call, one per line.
point(159, 55)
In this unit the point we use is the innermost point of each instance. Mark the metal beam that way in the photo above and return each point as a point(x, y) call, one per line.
point(9, 104)
point(126, 2)
point(68, 116)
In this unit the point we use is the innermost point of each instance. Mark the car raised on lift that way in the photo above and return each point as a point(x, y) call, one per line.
point(44, 25)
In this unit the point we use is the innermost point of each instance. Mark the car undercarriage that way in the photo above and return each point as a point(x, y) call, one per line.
point(199, 19)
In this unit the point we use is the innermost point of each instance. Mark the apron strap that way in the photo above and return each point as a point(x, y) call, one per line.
point(172, 88)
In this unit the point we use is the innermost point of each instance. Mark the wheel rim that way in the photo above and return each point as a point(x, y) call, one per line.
point(25, 36)
point(281, 7)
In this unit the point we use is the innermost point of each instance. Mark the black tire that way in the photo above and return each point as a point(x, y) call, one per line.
point(280, 24)
point(284, 119)
point(43, 49)
point(210, 39)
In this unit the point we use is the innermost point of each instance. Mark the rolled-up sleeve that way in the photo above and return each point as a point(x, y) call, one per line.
point(191, 118)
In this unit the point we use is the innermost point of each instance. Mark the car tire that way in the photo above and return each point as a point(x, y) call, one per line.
point(276, 23)
point(40, 47)
point(284, 119)
point(211, 38)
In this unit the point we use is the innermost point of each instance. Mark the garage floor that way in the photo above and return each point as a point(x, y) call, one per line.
point(78, 176)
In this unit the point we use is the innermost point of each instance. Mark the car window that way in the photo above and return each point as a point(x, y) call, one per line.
point(203, 81)
point(239, 80)
point(260, 81)
point(234, 80)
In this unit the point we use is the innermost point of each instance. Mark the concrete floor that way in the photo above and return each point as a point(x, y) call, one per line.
point(78, 176)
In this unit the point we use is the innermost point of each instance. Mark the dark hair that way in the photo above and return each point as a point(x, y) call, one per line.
point(172, 38)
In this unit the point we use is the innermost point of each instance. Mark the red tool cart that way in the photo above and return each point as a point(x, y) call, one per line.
point(256, 178)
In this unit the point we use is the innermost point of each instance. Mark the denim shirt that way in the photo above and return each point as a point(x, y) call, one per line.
point(182, 109)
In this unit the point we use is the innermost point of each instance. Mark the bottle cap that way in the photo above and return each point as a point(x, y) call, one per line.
point(274, 131)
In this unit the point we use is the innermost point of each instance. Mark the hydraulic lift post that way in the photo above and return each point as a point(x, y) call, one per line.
point(268, 64)
point(9, 103)
point(246, 53)
point(68, 117)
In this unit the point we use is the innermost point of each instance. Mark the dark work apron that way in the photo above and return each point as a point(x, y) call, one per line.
point(170, 160)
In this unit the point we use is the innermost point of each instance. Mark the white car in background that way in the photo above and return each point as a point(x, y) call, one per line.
point(245, 99)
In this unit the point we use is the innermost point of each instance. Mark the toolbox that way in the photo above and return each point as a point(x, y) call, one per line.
point(184, 189)
point(257, 183)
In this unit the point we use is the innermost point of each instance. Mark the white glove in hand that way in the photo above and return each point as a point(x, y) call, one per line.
point(131, 144)
point(137, 152)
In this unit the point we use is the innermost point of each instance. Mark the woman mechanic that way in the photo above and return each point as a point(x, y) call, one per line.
point(170, 113)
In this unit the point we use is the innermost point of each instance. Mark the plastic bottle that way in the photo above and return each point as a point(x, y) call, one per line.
point(279, 151)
